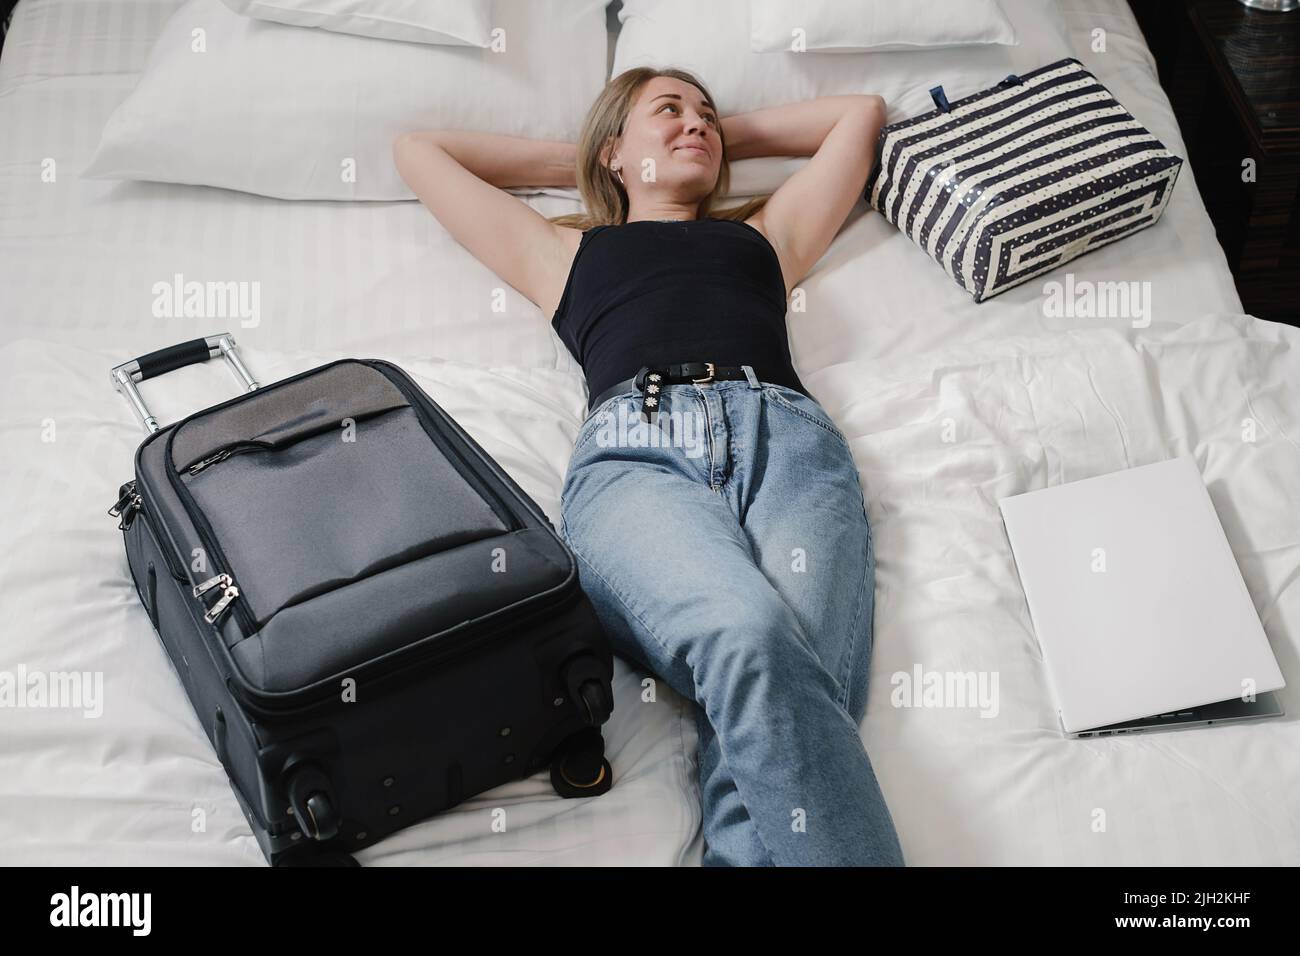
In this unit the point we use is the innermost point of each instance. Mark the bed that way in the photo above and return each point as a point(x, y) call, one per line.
point(948, 406)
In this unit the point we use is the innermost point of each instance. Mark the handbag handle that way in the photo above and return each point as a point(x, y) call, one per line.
point(941, 98)
point(125, 376)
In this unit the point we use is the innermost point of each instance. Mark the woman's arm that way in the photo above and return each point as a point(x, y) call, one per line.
point(508, 161)
point(808, 209)
point(460, 177)
point(797, 129)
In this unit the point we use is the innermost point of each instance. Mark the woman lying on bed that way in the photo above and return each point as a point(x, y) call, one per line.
point(739, 567)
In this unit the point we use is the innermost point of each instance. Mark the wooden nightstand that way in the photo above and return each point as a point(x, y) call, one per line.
point(1233, 76)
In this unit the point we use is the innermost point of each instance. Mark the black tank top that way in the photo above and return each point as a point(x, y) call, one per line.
point(650, 292)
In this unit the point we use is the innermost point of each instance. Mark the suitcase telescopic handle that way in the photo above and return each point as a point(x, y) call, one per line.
point(125, 376)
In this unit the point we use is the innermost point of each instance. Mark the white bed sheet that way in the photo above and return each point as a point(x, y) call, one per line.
point(894, 350)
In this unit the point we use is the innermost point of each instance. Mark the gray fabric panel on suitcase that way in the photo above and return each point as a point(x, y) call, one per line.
point(290, 412)
point(318, 514)
point(313, 640)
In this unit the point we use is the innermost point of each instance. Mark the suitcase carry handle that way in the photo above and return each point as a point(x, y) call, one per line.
point(125, 376)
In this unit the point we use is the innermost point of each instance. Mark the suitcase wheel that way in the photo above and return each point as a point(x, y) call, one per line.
point(324, 816)
point(587, 683)
point(312, 801)
point(595, 701)
point(579, 767)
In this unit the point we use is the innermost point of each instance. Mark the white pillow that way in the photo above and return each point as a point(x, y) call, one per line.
point(457, 22)
point(712, 40)
point(836, 26)
point(309, 114)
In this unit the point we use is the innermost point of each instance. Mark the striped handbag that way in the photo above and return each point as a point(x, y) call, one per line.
point(1006, 184)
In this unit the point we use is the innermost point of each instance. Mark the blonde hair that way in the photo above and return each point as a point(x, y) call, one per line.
point(605, 197)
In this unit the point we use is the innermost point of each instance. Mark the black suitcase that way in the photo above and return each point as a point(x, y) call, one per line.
point(372, 620)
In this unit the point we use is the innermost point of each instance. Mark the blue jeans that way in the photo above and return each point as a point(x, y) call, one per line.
point(726, 549)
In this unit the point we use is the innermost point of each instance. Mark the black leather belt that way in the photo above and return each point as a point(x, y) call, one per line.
point(651, 379)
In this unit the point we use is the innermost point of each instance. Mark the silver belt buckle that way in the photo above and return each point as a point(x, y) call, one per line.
point(707, 378)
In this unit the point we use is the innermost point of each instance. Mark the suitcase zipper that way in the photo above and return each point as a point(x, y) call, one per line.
point(243, 446)
point(131, 504)
point(198, 466)
point(228, 594)
point(126, 507)
point(122, 501)
point(210, 583)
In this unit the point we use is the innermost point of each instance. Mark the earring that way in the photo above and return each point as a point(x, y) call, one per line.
point(618, 171)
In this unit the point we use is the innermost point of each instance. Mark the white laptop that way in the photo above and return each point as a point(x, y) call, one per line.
point(1140, 609)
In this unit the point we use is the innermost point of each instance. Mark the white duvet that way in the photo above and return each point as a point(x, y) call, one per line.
point(948, 406)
